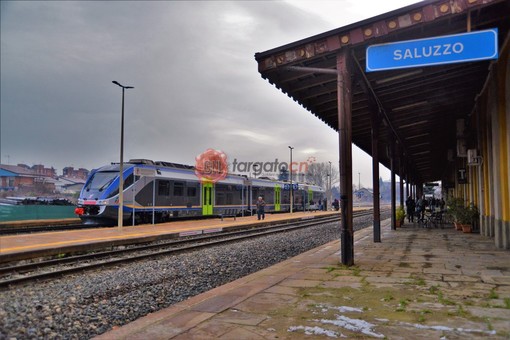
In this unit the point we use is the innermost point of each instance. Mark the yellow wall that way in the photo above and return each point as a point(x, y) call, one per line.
point(502, 134)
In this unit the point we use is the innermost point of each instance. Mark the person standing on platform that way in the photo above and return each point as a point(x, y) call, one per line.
point(420, 207)
point(336, 204)
point(261, 204)
point(410, 205)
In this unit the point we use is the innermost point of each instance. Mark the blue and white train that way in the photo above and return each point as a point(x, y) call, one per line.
point(163, 191)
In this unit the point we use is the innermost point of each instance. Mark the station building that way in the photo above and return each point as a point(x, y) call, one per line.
point(403, 87)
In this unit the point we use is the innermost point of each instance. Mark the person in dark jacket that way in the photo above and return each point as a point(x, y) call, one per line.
point(410, 205)
point(261, 204)
point(336, 204)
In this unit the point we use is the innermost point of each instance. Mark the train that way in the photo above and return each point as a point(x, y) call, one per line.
point(157, 191)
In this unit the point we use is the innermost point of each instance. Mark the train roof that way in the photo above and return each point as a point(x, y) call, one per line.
point(150, 163)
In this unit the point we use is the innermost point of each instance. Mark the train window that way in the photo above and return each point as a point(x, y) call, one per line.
point(101, 180)
point(163, 188)
point(192, 191)
point(128, 181)
point(178, 189)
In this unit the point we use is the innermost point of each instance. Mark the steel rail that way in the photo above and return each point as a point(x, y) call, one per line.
point(215, 239)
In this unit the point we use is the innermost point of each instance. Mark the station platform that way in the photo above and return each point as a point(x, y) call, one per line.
point(417, 283)
point(24, 246)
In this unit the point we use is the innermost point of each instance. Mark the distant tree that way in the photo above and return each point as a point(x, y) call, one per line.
point(335, 192)
point(318, 174)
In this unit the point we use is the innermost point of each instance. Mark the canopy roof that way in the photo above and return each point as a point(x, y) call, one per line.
point(418, 107)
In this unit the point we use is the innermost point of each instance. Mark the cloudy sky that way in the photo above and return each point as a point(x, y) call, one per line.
point(195, 77)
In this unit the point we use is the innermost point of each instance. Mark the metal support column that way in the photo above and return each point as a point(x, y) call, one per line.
point(408, 193)
point(393, 187)
point(401, 175)
point(375, 177)
point(344, 93)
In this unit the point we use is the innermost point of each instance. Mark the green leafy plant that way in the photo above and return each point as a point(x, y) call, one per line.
point(453, 204)
point(400, 214)
point(493, 294)
point(387, 298)
point(402, 305)
point(462, 213)
point(434, 290)
point(330, 269)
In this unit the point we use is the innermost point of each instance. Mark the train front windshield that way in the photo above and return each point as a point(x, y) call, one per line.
point(100, 180)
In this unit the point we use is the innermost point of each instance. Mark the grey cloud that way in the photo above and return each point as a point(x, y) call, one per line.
point(191, 63)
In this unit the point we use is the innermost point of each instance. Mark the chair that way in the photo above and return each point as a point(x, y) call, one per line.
point(437, 219)
point(229, 213)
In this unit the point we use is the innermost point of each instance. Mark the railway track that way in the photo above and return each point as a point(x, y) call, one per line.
point(46, 269)
point(26, 229)
point(7, 229)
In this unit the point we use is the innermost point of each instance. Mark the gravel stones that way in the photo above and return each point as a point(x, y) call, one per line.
point(83, 305)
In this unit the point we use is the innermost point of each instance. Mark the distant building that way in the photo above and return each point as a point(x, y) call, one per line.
point(67, 185)
point(23, 179)
point(70, 172)
point(363, 195)
point(40, 180)
point(43, 171)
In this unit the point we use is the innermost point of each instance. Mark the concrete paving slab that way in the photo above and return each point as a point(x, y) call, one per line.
point(241, 316)
point(283, 290)
point(301, 283)
point(265, 302)
point(315, 297)
point(341, 284)
point(206, 330)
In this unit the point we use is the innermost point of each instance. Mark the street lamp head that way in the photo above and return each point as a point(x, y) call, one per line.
point(124, 87)
point(290, 147)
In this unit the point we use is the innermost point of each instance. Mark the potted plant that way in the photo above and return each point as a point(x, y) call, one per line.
point(466, 216)
point(455, 205)
point(400, 215)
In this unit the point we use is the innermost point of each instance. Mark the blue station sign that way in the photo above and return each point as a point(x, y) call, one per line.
point(448, 49)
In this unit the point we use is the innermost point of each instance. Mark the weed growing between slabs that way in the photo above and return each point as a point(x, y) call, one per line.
point(379, 307)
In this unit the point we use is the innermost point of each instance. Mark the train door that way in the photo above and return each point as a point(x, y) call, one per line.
point(310, 198)
point(277, 198)
point(207, 198)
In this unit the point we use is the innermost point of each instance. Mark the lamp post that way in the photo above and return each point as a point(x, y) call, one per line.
point(121, 165)
point(359, 181)
point(291, 188)
point(255, 167)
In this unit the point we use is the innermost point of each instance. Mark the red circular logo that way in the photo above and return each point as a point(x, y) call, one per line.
point(211, 166)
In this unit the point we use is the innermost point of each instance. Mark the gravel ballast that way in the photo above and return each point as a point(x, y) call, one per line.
point(83, 305)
